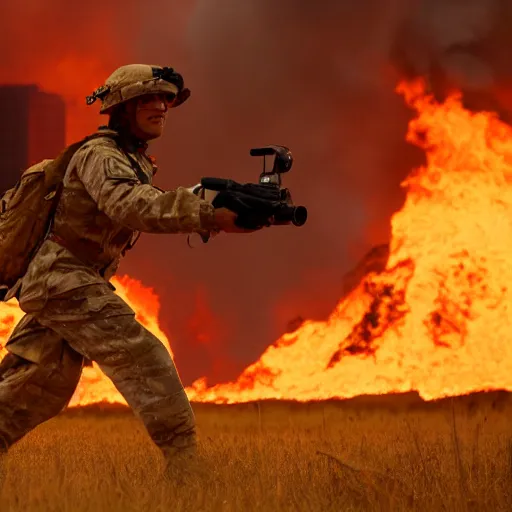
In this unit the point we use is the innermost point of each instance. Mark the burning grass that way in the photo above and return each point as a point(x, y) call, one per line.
point(384, 453)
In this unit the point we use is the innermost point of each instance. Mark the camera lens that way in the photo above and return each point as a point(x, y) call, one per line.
point(300, 216)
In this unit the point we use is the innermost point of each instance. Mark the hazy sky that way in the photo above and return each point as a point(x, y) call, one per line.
point(318, 77)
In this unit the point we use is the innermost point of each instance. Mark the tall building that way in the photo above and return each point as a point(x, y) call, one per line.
point(32, 128)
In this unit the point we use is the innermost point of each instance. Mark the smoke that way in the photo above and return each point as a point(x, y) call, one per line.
point(318, 77)
point(460, 45)
point(67, 48)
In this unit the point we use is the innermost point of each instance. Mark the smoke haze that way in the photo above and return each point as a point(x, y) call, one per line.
point(318, 77)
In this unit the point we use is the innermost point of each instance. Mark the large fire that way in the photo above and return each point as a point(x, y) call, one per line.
point(94, 386)
point(435, 320)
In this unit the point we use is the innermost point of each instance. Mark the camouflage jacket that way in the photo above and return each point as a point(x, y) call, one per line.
point(103, 207)
point(108, 198)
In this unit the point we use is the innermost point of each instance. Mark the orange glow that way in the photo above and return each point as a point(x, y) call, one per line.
point(435, 320)
point(69, 49)
point(94, 386)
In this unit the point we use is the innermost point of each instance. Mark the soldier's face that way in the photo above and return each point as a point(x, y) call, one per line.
point(150, 115)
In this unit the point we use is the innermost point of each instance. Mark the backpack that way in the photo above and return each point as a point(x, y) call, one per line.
point(26, 213)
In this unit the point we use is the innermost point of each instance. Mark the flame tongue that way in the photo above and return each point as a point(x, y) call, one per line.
point(94, 386)
point(434, 320)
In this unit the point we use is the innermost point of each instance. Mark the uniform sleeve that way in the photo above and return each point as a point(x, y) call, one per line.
point(109, 179)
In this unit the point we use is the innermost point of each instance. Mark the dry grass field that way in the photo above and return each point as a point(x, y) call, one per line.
point(370, 453)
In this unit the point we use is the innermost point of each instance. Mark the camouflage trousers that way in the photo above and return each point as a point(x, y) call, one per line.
point(47, 348)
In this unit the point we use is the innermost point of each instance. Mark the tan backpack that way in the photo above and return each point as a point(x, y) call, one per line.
point(26, 212)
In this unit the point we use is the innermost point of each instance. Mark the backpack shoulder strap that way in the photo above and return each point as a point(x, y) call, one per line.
point(111, 134)
point(143, 178)
point(55, 174)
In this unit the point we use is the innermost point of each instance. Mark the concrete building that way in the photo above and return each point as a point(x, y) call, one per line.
point(32, 128)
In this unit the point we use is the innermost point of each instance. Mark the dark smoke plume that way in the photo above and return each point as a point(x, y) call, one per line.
point(460, 46)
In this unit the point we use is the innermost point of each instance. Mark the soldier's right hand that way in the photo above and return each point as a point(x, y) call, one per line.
point(225, 220)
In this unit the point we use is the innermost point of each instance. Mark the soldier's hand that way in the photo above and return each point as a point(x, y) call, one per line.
point(225, 220)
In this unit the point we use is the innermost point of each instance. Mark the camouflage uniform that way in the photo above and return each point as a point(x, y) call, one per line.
point(72, 311)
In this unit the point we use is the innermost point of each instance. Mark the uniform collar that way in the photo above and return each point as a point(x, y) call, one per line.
point(130, 143)
point(134, 145)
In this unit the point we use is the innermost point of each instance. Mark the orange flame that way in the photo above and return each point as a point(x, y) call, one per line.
point(94, 386)
point(435, 320)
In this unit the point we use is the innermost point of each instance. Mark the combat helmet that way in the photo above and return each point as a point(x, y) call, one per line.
point(133, 80)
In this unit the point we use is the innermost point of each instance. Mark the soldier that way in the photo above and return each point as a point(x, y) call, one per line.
point(71, 309)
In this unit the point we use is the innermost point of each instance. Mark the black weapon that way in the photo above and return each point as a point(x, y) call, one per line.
point(264, 203)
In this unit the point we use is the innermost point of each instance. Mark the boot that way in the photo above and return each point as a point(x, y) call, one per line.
point(185, 466)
